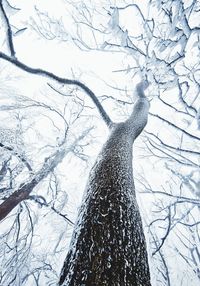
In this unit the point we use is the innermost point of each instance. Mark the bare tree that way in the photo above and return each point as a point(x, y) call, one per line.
point(157, 40)
point(160, 47)
point(112, 238)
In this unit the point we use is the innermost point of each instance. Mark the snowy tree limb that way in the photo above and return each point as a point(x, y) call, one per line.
point(21, 157)
point(61, 80)
point(9, 31)
point(23, 192)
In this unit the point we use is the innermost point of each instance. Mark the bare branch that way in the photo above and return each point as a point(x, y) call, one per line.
point(175, 126)
point(42, 202)
point(9, 31)
point(21, 157)
point(167, 232)
point(173, 147)
point(26, 188)
point(50, 75)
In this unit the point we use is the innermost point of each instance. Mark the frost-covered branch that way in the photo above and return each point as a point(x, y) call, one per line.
point(21, 157)
point(50, 75)
point(42, 202)
point(9, 30)
point(168, 218)
point(175, 126)
point(41, 72)
point(50, 163)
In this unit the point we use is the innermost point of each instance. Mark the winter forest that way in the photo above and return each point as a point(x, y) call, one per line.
point(100, 143)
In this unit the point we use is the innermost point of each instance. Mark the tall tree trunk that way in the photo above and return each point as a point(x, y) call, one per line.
point(108, 244)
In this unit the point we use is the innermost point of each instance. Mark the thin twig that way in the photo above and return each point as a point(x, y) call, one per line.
point(18, 156)
point(62, 80)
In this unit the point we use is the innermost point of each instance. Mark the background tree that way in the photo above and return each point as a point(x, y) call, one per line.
point(158, 38)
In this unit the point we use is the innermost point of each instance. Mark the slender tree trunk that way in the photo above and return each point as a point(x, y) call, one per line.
point(108, 244)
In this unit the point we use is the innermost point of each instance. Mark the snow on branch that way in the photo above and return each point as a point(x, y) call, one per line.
point(12, 59)
point(62, 80)
point(50, 163)
point(20, 156)
point(9, 31)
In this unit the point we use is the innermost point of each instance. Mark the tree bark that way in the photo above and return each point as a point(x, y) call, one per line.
point(108, 244)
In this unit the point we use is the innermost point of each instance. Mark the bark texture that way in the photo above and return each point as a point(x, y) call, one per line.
point(108, 244)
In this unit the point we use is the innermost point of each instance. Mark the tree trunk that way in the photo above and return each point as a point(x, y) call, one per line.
point(108, 244)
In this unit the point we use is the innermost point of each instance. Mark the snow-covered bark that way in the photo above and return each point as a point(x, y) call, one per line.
point(108, 244)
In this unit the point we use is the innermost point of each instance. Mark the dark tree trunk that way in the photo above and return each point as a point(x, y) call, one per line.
point(108, 244)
